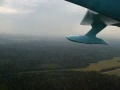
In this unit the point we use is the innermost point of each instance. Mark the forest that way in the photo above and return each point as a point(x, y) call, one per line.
point(40, 64)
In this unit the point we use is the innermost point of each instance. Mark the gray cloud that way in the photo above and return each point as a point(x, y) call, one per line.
point(47, 18)
point(1, 2)
point(42, 18)
point(30, 6)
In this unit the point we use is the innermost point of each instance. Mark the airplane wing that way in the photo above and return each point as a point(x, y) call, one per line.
point(100, 14)
point(109, 8)
point(88, 20)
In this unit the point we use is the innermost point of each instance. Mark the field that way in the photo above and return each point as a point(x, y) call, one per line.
point(111, 66)
point(114, 72)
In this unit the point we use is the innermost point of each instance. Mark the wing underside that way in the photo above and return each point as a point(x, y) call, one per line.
point(88, 20)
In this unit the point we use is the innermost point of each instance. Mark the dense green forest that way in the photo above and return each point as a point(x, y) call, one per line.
point(59, 81)
point(19, 55)
point(39, 64)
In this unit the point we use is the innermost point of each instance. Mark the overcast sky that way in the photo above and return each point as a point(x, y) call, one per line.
point(45, 18)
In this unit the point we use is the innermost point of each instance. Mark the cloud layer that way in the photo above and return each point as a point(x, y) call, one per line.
point(18, 6)
point(43, 18)
point(28, 6)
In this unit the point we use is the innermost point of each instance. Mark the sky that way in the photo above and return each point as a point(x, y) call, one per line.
point(45, 18)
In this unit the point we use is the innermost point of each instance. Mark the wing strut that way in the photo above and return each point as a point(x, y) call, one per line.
point(97, 26)
point(90, 37)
